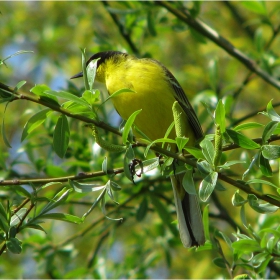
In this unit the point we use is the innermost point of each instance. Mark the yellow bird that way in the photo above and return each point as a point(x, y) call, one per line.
point(155, 91)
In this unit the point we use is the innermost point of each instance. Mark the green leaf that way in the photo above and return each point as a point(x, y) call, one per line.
point(110, 191)
point(258, 259)
point(5, 139)
point(245, 246)
point(19, 85)
point(91, 72)
point(181, 143)
point(160, 140)
point(34, 122)
point(116, 187)
point(4, 223)
point(40, 90)
point(230, 163)
point(257, 7)
point(197, 153)
point(62, 217)
point(58, 200)
point(123, 90)
point(207, 150)
point(268, 131)
point(260, 181)
point(238, 200)
point(16, 218)
point(207, 246)
point(188, 182)
point(147, 165)
point(204, 167)
point(91, 97)
point(264, 264)
point(61, 136)
point(14, 245)
point(85, 188)
point(271, 113)
point(84, 69)
point(220, 116)
point(248, 125)
point(220, 262)
point(128, 125)
point(265, 166)
point(78, 109)
point(207, 186)
point(3, 211)
point(272, 243)
point(142, 210)
point(241, 140)
point(68, 96)
point(271, 151)
point(99, 198)
point(104, 165)
point(252, 164)
point(205, 219)
point(254, 202)
point(225, 237)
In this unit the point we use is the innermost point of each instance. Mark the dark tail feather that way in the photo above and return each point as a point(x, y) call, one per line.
point(188, 214)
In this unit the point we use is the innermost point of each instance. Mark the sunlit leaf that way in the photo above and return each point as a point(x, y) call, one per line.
point(256, 204)
point(220, 116)
point(62, 217)
point(34, 122)
point(271, 151)
point(237, 199)
point(129, 124)
point(241, 140)
point(207, 186)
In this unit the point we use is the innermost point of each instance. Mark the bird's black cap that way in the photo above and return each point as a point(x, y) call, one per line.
point(102, 57)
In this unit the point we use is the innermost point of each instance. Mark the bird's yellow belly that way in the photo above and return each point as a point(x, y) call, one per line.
point(155, 117)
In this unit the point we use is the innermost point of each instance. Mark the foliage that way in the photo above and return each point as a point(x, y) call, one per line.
point(55, 179)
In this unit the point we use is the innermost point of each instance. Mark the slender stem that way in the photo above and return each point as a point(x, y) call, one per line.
point(244, 187)
point(56, 107)
point(121, 28)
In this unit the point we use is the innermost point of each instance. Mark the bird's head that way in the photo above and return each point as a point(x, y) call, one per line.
point(102, 58)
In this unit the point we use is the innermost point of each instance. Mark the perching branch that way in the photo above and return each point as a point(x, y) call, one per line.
point(18, 95)
point(213, 35)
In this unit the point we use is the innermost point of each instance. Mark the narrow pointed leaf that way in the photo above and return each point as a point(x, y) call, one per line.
point(207, 186)
point(61, 136)
point(34, 122)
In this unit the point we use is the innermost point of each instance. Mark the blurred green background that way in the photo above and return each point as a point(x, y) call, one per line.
point(55, 32)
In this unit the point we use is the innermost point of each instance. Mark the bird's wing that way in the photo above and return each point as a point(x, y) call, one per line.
point(181, 97)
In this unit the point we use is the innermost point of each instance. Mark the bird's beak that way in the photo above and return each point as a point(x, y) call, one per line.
point(77, 75)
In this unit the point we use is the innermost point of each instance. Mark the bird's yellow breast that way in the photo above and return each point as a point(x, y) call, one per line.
point(153, 93)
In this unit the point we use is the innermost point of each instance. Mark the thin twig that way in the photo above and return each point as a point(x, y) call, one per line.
point(121, 28)
point(239, 19)
point(213, 35)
